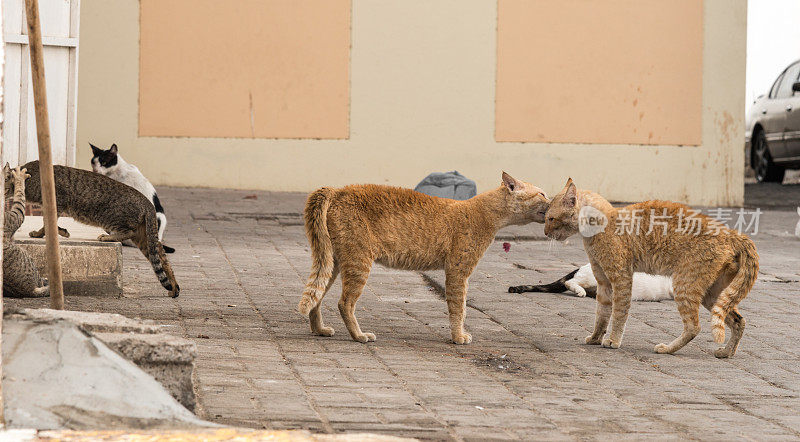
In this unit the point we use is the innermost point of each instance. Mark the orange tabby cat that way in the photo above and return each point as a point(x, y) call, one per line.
point(709, 263)
point(352, 227)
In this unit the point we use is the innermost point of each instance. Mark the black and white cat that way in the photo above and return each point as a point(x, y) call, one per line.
point(110, 163)
point(582, 283)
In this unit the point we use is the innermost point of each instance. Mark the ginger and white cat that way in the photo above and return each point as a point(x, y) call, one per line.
point(709, 263)
point(351, 227)
point(582, 282)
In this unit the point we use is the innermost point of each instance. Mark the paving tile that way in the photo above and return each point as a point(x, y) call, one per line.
point(527, 374)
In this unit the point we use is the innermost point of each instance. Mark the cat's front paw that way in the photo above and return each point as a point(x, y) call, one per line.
point(365, 337)
point(609, 343)
point(463, 338)
point(20, 174)
point(592, 340)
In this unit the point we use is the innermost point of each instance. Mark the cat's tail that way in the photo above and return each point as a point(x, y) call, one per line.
point(162, 223)
point(554, 287)
point(316, 220)
point(738, 288)
point(151, 248)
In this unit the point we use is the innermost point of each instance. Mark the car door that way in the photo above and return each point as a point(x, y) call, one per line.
point(784, 112)
point(773, 114)
point(791, 130)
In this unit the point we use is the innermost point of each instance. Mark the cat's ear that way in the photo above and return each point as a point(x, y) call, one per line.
point(7, 169)
point(510, 182)
point(570, 195)
point(113, 149)
point(95, 150)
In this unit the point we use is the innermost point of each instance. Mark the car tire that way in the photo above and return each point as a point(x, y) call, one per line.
point(766, 170)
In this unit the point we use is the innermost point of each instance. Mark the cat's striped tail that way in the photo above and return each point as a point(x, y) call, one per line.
point(316, 220)
point(554, 287)
point(738, 289)
point(152, 249)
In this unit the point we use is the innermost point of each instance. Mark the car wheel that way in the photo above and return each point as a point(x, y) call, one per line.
point(766, 170)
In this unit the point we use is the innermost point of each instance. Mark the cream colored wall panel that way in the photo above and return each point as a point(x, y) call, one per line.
point(244, 68)
point(601, 71)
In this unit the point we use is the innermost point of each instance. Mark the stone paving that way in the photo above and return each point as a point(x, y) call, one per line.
point(242, 259)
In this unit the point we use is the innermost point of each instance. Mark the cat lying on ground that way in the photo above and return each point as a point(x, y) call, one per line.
point(110, 163)
point(582, 282)
point(21, 277)
point(99, 201)
point(351, 227)
point(709, 263)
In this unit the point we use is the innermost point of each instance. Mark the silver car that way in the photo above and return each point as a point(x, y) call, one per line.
point(772, 137)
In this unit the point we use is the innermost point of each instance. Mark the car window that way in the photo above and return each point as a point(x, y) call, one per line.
point(775, 86)
point(789, 78)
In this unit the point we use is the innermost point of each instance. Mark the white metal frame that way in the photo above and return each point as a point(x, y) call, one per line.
point(19, 125)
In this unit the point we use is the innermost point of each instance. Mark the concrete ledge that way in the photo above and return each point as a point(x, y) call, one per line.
point(92, 322)
point(168, 359)
point(90, 267)
point(226, 434)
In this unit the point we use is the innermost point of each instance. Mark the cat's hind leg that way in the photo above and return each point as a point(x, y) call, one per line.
point(724, 308)
point(574, 287)
point(315, 316)
point(735, 321)
point(688, 294)
point(354, 278)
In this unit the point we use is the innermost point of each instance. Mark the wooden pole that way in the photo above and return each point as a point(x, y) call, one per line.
point(45, 158)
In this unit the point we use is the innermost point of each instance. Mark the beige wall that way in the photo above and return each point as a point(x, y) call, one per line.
point(422, 99)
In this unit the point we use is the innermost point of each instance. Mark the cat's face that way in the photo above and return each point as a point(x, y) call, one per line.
point(527, 202)
point(561, 220)
point(104, 161)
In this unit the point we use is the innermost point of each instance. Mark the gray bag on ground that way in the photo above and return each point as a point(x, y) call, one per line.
point(451, 185)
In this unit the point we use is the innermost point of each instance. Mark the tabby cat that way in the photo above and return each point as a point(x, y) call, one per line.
point(20, 275)
point(709, 263)
point(100, 201)
point(352, 227)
